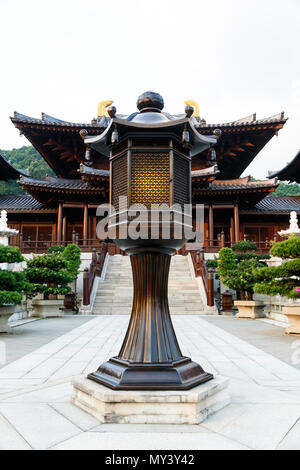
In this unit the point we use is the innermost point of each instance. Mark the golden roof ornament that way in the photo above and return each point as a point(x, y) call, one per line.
point(195, 105)
point(102, 105)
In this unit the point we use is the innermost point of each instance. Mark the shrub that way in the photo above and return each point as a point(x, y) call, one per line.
point(10, 298)
point(71, 255)
point(285, 278)
point(244, 245)
point(11, 281)
point(227, 261)
point(289, 248)
point(12, 284)
point(56, 249)
point(51, 261)
point(48, 274)
point(238, 273)
point(10, 254)
point(251, 255)
point(212, 263)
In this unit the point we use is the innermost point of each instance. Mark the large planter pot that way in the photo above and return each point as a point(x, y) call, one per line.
point(70, 302)
point(5, 313)
point(227, 303)
point(249, 309)
point(47, 308)
point(292, 312)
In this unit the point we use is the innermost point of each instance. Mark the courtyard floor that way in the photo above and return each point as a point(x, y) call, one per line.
point(43, 357)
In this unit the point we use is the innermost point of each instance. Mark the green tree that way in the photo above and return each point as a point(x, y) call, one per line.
point(284, 189)
point(10, 254)
point(227, 261)
point(48, 275)
point(283, 279)
point(71, 254)
point(238, 270)
point(12, 284)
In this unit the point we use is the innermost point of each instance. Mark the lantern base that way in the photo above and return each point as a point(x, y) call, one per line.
point(150, 407)
point(118, 374)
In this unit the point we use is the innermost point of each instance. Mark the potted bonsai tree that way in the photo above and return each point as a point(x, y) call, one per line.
point(71, 254)
point(49, 276)
point(12, 285)
point(284, 280)
point(237, 269)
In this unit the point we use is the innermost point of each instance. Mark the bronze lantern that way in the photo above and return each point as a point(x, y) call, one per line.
point(150, 156)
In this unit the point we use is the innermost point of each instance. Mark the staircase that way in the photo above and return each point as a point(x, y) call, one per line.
point(114, 294)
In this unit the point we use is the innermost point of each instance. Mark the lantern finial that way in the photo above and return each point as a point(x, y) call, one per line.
point(150, 101)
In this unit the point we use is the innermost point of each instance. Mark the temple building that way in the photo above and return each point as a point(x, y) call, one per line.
point(63, 208)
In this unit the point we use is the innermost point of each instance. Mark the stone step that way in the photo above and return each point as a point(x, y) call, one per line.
point(115, 292)
point(127, 311)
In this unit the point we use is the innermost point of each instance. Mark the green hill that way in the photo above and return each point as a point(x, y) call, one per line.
point(284, 189)
point(25, 158)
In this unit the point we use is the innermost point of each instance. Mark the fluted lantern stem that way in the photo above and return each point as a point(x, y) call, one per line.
point(150, 336)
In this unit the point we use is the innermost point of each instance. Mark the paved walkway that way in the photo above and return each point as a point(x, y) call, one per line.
point(28, 337)
point(264, 335)
point(35, 409)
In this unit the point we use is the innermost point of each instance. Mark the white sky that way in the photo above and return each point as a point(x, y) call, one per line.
point(234, 57)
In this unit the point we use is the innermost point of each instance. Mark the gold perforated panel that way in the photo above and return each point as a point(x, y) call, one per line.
point(181, 181)
point(120, 177)
point(150, 178)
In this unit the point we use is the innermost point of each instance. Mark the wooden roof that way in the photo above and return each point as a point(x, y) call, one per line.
point(241, 190)
point(240, 142)
point(291, 172)
point(7, 171)
point(51, 190)
point(59, 141)
point(60, 144)
point(276, 205)
point(22, 204)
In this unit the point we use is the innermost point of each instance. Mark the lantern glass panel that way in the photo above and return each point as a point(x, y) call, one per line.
point(120, 178)
point(150, 178)
point(181, 177)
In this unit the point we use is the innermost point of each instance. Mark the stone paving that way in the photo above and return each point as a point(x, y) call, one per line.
point(36, 413)
point(27, 338)
point(263, 334)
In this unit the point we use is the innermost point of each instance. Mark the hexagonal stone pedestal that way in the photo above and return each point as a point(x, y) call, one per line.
point(5, 313)
point(151, 407)
point(249, 309)
point(292, 312)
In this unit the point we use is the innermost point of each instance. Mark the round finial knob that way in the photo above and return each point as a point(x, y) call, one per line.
point(111, 111)
point(83, 133)
point(217, 133)
point(150, 100)
point(189, 110)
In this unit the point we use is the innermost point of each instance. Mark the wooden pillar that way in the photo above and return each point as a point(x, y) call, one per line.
point(59, 222)
point(86, 287)
point(210, 288)
point(236, 223)
point(231, 231)
point(64, 229)
point(90, 229)
point(210, 225)
point(94, 228)
point(85, 224)
point(222, 239)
